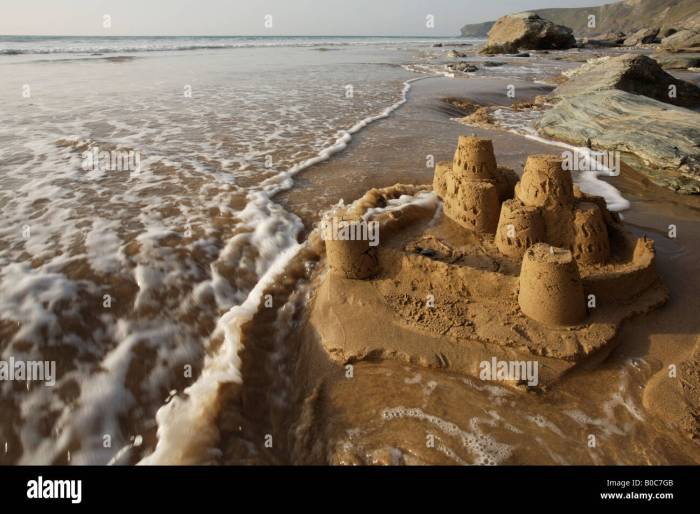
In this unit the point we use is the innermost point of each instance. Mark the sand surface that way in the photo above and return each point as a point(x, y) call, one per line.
point(628, 409)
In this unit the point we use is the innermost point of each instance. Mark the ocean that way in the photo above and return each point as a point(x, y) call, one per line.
point(137, 194)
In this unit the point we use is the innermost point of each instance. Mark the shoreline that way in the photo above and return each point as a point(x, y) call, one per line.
point(650, 208)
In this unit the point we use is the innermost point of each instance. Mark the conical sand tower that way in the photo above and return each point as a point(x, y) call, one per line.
point(519, 227)
point(548, 187)
point(472, 186)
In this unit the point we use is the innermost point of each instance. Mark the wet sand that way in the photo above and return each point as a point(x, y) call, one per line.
point(624, 411)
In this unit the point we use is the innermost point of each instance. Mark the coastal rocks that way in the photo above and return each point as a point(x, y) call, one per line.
point(627, 16)
point(629, 104)
point(609, 39)
point(474, 114)
point(667, 32)
point(527, 31)
point(682, 41)
point(454, 54)
point(661, 136)
point(633, 73)
point(678, 61)
point(642, 37)
point(462, 67)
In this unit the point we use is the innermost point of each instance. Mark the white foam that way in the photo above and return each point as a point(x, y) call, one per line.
point(485, 448)
point(186, 425)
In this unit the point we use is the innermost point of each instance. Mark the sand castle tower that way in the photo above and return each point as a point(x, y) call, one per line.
point(548, 187)
point(551, 290)
point(349, 251)
point(472, 186)
point(591, 244)
point(519, 227)
point(548, 208)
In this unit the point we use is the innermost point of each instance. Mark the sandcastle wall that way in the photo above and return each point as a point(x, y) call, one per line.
point(630, 281)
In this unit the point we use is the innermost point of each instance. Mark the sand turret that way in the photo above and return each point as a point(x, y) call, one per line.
point(474, 158)
point(475, 206)
point(519, 227)
point(351, 248)
point(591, 243)
point(551, 290)
point(472, 186)
point(545, 183)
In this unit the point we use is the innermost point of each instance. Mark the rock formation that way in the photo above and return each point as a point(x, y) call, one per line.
point(462, 67)
point(629, 104)
point(604, 40)
point(682, 41)
point(642, 37)
point(675, 61)
point(633, 73)
point(527, 31)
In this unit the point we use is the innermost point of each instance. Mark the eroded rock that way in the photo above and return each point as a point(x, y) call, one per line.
point(527, 31)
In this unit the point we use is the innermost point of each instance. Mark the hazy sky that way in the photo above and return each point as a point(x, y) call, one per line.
point(247, 17)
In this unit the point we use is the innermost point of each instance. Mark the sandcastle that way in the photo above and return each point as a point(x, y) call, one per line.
point(528, 269)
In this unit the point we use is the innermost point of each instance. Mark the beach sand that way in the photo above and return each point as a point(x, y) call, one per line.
point(624, 410)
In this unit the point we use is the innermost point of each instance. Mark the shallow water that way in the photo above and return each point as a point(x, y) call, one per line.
point(122, 270)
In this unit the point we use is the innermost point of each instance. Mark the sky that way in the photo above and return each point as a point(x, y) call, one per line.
point(249, 17)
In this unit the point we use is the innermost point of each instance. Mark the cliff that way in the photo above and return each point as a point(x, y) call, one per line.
point(626, 16)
